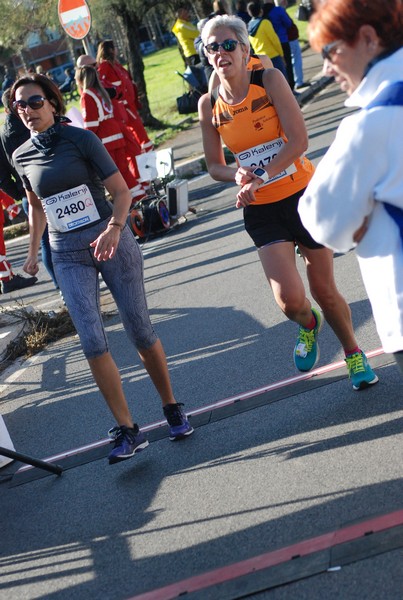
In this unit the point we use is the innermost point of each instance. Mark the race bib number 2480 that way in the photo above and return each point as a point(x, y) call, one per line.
point(71, 209)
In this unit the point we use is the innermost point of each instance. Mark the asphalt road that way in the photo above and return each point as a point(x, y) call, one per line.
point(263, 471)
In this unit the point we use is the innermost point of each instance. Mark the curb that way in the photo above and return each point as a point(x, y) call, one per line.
point(189, 168)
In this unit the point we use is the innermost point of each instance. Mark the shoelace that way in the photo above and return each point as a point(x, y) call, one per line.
point(174, 416)
point(355, 363)
point(122, 433)
point(306, 337)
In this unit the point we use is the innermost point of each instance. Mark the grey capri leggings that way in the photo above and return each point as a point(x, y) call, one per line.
point(77, 273)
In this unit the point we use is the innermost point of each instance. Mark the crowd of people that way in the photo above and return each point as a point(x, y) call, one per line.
point(272, 32)
point(63, 173)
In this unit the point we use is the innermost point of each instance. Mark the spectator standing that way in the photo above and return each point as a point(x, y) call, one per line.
point(241, 11)
point(263, 38)
point(97, 111)
point(113, 74)
point(296, 54)
point(186, 33)
point(8, 80)
point(355, 198)
point(281, 23)
point(8, 281)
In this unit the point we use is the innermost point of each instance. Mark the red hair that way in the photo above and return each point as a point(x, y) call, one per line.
point(342, 19)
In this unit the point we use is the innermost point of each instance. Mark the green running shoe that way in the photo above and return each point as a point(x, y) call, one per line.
point(359, 371)
point(306, 351)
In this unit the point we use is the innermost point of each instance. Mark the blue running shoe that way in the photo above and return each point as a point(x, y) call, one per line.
point(127, 443)
point(179, 426)
point(359, 371)
point(306, 351)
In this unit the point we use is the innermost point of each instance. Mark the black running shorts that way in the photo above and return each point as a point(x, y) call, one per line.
point(277, 222)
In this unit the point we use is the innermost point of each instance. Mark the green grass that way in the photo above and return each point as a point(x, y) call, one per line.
point(302, 25)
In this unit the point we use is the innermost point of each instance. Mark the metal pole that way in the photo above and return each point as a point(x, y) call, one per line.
point(35, 462)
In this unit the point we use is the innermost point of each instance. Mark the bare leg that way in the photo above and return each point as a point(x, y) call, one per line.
point(155, 363)
point(319, 264)
point(107, 377)
point(278, 261)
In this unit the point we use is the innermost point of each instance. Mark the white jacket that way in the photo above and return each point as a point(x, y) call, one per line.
point(362, 169)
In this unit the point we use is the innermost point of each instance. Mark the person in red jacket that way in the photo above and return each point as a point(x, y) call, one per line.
point(98, 115)
point(8, 281)
point(113, 74)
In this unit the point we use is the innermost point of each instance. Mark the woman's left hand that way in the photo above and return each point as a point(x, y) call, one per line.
point(106, 244)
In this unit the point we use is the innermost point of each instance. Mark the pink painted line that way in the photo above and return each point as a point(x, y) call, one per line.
point(221, 403)
point(270, 559)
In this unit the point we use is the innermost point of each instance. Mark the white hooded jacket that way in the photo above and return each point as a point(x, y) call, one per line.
point(362, 169)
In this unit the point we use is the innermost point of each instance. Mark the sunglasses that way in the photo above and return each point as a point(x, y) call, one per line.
point(34, 102)
point(226, 45)
point(329, 50)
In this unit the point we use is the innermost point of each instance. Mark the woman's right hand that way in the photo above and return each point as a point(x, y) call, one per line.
point(31, 265)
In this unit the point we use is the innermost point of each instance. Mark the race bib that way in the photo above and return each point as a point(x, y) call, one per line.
point(71, 209)
point(261, 155)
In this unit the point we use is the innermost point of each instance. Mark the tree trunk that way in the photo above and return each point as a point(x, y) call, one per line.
point(131, 27)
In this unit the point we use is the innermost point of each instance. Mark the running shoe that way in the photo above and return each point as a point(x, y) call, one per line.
point(17, 282)
point(306, 351)
point(128, 441)
point(359, 371)
point(179, 426)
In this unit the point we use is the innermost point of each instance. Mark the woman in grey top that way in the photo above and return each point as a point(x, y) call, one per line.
point(65, 171)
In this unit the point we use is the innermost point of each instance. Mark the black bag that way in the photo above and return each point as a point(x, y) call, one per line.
point(188, 102)
point(292, 32)
point(302, 13)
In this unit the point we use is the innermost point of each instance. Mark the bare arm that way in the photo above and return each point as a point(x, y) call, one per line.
point(37, 224)
point(212, 144)
point(106, 244)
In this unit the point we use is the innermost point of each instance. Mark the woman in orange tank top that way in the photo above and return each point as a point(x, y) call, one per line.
point(257, 116)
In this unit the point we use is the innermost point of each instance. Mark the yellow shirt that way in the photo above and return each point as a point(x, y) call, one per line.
point(253, 133)
point(186, 33)
point(266, 40)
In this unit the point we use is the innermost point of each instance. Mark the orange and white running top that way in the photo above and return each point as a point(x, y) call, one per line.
point(253, 133)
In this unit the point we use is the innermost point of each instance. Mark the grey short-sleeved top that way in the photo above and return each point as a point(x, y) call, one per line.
point(72, 157)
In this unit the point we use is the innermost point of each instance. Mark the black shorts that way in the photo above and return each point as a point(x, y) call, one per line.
point(277, 222)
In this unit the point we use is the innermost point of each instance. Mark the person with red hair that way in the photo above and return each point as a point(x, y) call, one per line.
point(355, 198)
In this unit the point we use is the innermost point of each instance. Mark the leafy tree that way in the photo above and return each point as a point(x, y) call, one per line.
point(130, 15)
point(21, 17)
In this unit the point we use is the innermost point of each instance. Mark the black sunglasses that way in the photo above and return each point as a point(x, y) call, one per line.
point(34, 102)
point(226, 45)
point(329, 49)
